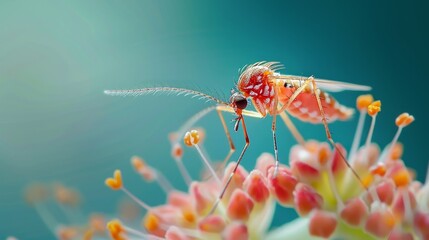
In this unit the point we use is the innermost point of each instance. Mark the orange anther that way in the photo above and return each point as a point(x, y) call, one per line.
point(191, 138)
point(323, 156)
point(402, 178)
point(189, 216)
point(137, 163)
point(115, 183)
point(374, 108)
point(379, 169)
point(363, 101)
point(367, 181)
point(404, 120)
point(116, 229)
point(151, 222)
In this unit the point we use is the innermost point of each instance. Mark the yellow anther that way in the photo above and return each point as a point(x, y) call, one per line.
point(116, 229)
point(363, 101)
point(367, 181)
point(374, 108)
point(137, 163)
point(379, 169)
point(402, 178)
point(151, 222)
point(189, 216)
point(191, 138)
point(115, 183)
point(404, 120)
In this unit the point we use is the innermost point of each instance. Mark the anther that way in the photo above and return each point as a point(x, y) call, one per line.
point(404, 120)
point(374, 108)
point(191, 138)
point(363, 101)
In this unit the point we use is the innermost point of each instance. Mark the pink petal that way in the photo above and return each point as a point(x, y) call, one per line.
point(236, 231)
point(174, 233)
point(322, 223)
point(240, 205)
point(354, 212)
point(212, 223)
point(306, 199)
point(380, 223)
point(256, 186)
point(283, 185)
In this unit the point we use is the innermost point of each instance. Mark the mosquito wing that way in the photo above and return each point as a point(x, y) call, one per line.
point(329, 85)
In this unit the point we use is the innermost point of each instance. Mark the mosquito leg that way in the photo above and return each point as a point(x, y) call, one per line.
point(228, 136)
point(276, 152)
point(273, 130)
point(328, 132)
point(222, 192)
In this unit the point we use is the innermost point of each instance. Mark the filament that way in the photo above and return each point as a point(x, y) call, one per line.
point(358, 134)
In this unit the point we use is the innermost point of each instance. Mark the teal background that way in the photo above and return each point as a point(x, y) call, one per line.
point(57, 57)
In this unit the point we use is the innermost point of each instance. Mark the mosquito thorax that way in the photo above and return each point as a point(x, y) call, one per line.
point(253, 80)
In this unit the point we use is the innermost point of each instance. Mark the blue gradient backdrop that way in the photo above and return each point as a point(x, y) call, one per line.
point(57, 57)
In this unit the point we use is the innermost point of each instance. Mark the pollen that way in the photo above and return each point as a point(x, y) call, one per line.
point(402, 178)
point(379, 170)
point(115, 183)
point(374, 108)
point(189, 216)
point(324, 156)
point(191, 138)
point(404, 120)
point(116, 230)
point(367, 181)
point(151, 222)
point(363, 101)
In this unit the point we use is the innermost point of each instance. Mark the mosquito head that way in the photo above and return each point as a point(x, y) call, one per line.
point(237, 101)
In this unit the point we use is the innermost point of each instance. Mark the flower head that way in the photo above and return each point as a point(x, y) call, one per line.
point(371, 196)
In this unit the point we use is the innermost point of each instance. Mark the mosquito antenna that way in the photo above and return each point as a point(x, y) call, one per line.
point(155, 90)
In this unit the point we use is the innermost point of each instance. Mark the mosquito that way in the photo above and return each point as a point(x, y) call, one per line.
point(271, 93)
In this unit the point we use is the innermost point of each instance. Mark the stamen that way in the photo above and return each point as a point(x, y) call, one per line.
point(191, 139)
point(362, 103)
point(373, 110)
point(116, 183)
point(401, 121)
point(149, 174)
point(136, 199)
point(177, 154)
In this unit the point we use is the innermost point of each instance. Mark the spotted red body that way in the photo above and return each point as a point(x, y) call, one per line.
point(259, 83)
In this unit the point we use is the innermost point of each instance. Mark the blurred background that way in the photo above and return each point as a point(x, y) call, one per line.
point(57, 57)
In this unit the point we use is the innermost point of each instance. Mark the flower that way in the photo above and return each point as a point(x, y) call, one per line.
point(363, 194)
